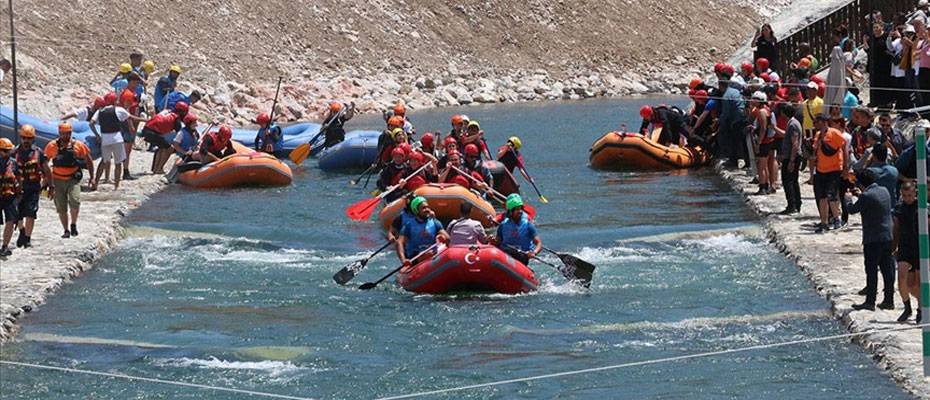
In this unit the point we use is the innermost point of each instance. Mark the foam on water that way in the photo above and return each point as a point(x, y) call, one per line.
point(729, 244)
point(273, 368)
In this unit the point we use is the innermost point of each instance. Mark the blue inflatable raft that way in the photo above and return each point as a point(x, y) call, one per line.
point(358, 151)
point(46, 131)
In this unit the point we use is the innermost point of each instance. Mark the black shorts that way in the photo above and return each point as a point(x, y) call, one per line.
point(776, 145)
point(155, 139)
point(764, 149)
point(8, 212)
point(825, 185)
point(28, 206)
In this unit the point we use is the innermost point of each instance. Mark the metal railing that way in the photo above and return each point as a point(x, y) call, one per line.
point(820, 32)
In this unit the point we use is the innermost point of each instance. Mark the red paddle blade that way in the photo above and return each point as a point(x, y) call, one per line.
point(362, 209)
point(530, 210)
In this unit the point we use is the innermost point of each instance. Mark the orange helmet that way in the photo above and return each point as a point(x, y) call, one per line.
point(27, 131)
point(694, 83)
point(399, 109)
point(457, 119)
point(395, 121)
point(335, 106)
point(64, 127)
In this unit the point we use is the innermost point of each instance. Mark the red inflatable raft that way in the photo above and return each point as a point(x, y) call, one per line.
point(479, 268)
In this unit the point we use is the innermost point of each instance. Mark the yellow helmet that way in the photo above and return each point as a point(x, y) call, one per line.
point(27, 131)
point(124, 68)
point(175, 68)
point(6, 144)
point(395, 132)
point(148, 66)
point(517, 144)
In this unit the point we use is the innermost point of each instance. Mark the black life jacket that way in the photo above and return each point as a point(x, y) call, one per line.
point(109, 123)
point(65, 157)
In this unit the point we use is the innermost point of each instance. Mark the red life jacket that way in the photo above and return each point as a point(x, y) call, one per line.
point(217, 145)
point(9, 183)
point(163, 122)
point(386, 153)
point(399, 173)
point(29, 167)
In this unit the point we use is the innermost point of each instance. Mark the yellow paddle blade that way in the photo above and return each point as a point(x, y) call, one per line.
point(300, 154)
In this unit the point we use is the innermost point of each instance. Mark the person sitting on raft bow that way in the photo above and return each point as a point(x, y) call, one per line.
point(335, 123)
point(216, 145)
point(465, 230)
point(509, 155)
point(475, 166)
point(452, 175)
point(185, 142)
point(393, 174)
point(419, 233)
point(669, 119)
point(474, 135)
point(517, 235)
point(269, 138)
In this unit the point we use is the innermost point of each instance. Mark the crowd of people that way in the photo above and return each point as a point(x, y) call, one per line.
point(778, 124)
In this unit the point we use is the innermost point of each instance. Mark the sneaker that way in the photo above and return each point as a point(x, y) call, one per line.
point(863, 291)
point(918, 316)
point(761, 192)
point(754, 181)
point(28, 243)
point(787, 211)
point(66, 235)
point(888, 304)
point(128, 177)
point(864, 306)
point(74, 231)
point(837, 224)
point(906, 314)
point(21, 239)
point(772, 190)
point(5, 252)
point(819, 228)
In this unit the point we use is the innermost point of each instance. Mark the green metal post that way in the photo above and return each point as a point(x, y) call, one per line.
point(921, 144)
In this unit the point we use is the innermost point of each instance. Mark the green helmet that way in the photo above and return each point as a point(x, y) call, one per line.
point(416, 203)
point(514, 201)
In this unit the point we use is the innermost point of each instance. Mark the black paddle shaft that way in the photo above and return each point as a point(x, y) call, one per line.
point(371, 285)
point(349, 271)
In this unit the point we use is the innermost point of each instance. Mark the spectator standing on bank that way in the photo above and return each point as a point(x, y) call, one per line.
point(791, 159)
point(766, 45)
point(875, 206)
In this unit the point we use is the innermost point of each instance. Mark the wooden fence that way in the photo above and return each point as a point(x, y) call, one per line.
point(820, 32)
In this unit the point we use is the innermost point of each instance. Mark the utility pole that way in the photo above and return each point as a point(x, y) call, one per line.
point(13, 62)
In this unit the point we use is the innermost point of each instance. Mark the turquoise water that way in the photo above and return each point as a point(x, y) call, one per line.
point(233, 288)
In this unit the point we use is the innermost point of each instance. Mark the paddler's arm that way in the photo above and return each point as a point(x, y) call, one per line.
point(537, 245)
point(350, 112)
point(399, 248)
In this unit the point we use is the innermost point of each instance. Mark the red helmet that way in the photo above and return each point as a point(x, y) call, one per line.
point(718, 68)
point(263, 118)
point(399, 109)
point(182, 107)
point(398, 151)
point(450, 141)
point(691, 93)
point(460, 180)
point(471, 150)
point(694, 83)
point(225, 132)
point(405, 147)
point(417, 156)
point(189, 119)
point(821, 89)
point(335, 106)
point(110, 98)
point(762, 64)
point(728, 69)
point(99, 102)
point(645, 112)
point(765, 77)
point(427, 139)
point(746, 68)
point(395, 121)
point(817, 79)
point(700, 96)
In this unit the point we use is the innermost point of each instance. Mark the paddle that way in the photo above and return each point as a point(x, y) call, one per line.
point(580, 268)
point(355, 181)
point(530, 210)
point(362, 209)
point(300, 154)
point(568, 272)
point(542, 198)
point(274, 104)
point(349, 271)
point(371, 285)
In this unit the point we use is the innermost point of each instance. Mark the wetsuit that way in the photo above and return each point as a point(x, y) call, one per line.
point(390, 175)
point(335, 130)
point(673, 124)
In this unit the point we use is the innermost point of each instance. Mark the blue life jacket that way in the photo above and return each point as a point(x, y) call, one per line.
point(175, 97)
point(164, 86)
point(519, 235)
point(420, 235)
point(119, 85)
point(278, 143)
point(187, 140)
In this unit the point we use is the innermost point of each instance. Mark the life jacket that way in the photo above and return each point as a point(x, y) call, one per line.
point(420, 235)
point(90, 113)
point(66, 163)
point(271, 135)
point(109, 123)
point(216, 145)
point(29, 167)
point(770, 130)
point(163, 122)
point(188, 141)
point(9, 183)
point(174, 97)
point(517, 234)
point(397, 173)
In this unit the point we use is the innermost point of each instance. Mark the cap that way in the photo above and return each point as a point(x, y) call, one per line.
point(923, 3)
point(909, 29)
point(812, 85)
point(874, 134)
point(760, 96)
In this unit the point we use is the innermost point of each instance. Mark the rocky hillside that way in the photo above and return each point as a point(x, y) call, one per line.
point(426, 52)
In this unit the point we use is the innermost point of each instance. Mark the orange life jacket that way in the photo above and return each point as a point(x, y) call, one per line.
point(9, 183)
point(29, 167)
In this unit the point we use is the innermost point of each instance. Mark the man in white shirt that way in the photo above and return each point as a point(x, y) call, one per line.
point(466, 231)
point(111, 119)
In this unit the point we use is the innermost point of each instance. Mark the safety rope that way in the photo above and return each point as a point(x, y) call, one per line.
point(651, 362)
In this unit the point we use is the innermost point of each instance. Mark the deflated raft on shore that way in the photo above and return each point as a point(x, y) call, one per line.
point(245, 168)
point(468, 268)
point(626, 150)
point(445, 200)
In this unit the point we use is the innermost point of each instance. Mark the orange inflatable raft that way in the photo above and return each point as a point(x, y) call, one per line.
point(444, 199)
point(245, 168)
point(616, 150)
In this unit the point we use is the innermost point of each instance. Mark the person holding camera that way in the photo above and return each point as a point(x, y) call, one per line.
point(68, 157)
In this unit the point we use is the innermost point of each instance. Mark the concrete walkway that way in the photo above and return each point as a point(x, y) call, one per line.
point(834, 263)
point(29, 275)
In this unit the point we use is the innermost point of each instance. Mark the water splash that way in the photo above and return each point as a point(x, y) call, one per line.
point(273, 368)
